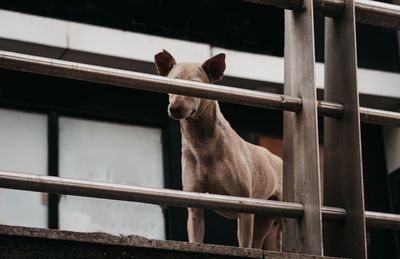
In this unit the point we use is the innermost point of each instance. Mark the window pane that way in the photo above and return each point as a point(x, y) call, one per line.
point(114, 153)
point(23, 148)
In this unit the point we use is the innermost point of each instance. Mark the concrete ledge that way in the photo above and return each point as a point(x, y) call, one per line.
point(22, 242)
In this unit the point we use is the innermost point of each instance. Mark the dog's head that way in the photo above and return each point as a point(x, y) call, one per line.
point(210, 71)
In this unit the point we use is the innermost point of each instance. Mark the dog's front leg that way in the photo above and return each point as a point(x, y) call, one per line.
point(245, 230)
point(195, 225)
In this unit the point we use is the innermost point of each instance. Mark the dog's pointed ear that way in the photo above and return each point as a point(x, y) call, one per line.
point(215, 67)
point(164, 62)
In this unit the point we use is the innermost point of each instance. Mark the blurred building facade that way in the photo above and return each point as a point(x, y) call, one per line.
point(83, 130)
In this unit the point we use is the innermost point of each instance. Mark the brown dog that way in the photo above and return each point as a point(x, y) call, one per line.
point(216, 160)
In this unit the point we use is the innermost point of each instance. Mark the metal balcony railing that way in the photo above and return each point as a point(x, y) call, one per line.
point(336, 229)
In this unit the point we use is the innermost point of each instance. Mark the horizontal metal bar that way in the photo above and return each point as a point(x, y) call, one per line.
point(367, 115)
point(378, 14)
point(367, 12)
point(333, 214)
point(59, 185)
point(135, 80)
point(373, 219)
point(329, 8)
point(382, 117)
point(167, 197)
point(382, 220)
point(330, 109)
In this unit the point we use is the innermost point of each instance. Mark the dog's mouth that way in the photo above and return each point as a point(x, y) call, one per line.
point(181, 114)
point(175, 116)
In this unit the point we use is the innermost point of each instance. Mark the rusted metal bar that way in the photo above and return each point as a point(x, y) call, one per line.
point(166, 197)
point(343, 174)
point(134, 80)
point(367, 12)
point(301, 175)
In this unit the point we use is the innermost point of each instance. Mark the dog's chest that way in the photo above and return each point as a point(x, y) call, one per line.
point(214, 179)
point(214, 165)
point(218, 176)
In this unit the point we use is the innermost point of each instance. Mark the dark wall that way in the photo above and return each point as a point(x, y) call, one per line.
point(377, 48)
point(381, 242)
point(226, 23)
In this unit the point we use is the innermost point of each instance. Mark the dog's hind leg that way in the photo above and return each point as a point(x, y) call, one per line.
point(273, 241)
point(245, 230)
point(262, 225)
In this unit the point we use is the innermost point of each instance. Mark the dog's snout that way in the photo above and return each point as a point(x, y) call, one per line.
point(176, 111)
point(181, 107)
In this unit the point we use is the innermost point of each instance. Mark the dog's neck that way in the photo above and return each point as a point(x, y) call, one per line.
point(203, 128)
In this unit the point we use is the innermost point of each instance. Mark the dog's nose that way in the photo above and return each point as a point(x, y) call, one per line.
point(175, 111)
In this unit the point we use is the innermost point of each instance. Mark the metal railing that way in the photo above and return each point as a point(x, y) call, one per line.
point(302, 186)
point(142, 81)
point(122, 78)
point(168, 197)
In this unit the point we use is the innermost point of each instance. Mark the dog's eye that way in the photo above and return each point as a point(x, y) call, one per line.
point(177, 77)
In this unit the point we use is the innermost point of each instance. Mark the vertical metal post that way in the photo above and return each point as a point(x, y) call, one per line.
point(301, 155)
point(343, 180)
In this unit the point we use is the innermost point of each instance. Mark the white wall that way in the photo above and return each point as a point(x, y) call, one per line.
point(23, 148)
point(116, 153)
point(90, 150)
